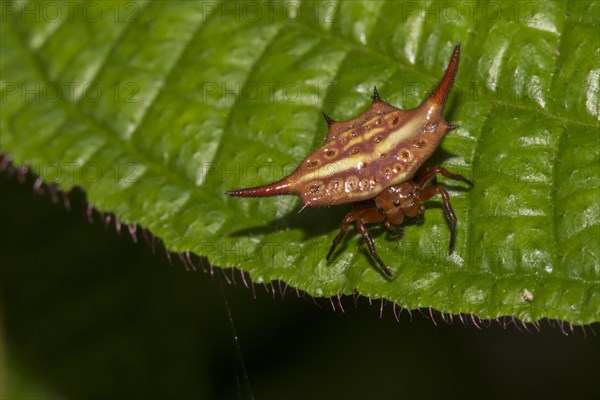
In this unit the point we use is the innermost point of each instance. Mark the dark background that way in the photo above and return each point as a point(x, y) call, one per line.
point(88, 314)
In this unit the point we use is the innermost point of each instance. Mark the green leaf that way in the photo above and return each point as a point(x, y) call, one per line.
point(157, 108)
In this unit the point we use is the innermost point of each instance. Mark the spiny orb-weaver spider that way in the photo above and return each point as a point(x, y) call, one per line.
point(375, 158)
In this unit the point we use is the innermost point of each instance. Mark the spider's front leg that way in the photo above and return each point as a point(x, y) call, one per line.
point(428, 173)
point(431, 191)
point(428, 192)
point(360, 218)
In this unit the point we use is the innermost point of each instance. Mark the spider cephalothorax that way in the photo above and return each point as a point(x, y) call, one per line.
point(376, 157)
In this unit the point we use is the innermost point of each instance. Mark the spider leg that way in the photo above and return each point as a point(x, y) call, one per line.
point(361, 217)
point(370, 244)
point(428, 173)
point(431, 191)
point(348, 219)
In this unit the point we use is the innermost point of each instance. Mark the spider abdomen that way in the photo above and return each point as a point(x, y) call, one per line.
point(382, 147)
